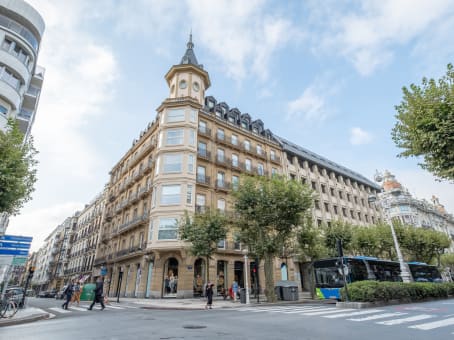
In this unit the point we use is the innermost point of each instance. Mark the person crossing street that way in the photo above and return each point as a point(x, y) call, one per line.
point(99, 290)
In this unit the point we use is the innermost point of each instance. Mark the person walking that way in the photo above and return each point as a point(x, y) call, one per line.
point(99, 290)
point(235, 290)
point(76, 293)
point(68, 292)
point(209, 295)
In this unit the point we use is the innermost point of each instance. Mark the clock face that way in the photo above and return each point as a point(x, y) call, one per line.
point(183, 84)
point(196, 86)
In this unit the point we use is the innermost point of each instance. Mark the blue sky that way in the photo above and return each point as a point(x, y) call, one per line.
point(325, 75)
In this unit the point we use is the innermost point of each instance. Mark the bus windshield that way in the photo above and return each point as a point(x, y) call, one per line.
point(425, 273)
point(327, 275)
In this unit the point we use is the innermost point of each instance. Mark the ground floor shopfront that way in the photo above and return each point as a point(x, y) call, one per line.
point(177, 274)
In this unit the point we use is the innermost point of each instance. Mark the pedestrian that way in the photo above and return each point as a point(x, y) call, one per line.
point(234, 289)
point(68, 292)
point(99, 290)
point(209, 295)
point(76, 293)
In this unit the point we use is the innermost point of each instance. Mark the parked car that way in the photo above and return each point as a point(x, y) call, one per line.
point(60, 295)
point(47, 293)
point(16, 294)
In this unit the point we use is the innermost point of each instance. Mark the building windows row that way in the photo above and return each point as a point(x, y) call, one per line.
point(179, 115)
point(15, 49)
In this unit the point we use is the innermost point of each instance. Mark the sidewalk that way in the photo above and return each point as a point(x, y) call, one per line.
point(24, 315)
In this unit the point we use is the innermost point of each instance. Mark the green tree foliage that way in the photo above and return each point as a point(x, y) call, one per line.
point(268, 212)
point(420, 244)
point(447, 261)
point(425, 124)
point(375, 240)
point(338, 230)
point(204, 231)
point(17, 169)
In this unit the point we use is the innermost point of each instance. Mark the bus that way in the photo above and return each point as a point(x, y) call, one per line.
point(329, 278)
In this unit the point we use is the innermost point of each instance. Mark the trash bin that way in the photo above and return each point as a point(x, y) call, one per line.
point(286, 290)
point(243, 295)
point(88, 292)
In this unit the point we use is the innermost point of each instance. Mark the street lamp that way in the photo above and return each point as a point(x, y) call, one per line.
point(246, 269)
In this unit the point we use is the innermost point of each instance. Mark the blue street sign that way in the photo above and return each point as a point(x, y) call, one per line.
point(25, 239)
point(4, 244)
point(4, 251)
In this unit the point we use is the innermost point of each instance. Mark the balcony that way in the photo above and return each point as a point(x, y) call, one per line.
point(205, 131)
point(99, 260)
point(260, 154)
point(223, 161)
point(222, 185)
point(109, 216)
point(200, 208)
point(145, 190)
point(133, 223)
point(203, 180)
point(275, 159)
point(148, 167)
point(105, 237)
point(112, 197)
point(133, 198)
point(204, 154)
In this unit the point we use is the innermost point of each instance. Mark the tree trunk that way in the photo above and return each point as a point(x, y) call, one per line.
point(208, 269)
point(269, 278)
point(312, 280)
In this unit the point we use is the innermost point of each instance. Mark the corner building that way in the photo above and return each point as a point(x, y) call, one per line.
point(188, 159)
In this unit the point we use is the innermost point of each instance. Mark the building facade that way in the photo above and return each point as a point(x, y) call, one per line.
point(21, 79)
point(189, 159)
point(84, 240)
point(398, 204)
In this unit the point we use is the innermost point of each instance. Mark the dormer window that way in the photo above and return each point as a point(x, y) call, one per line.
point(231, 119)
point(244, 124)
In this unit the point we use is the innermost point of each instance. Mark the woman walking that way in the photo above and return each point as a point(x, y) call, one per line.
point(209, 294)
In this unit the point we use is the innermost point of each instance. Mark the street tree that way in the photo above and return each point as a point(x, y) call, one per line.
point(365, 241)
point(420, 244)
point(267, 212)
point(337, 230)
point(203, 231)
point(425, 124)
point(17, 168)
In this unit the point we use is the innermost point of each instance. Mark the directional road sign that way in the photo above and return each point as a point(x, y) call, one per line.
point(14, 238)
point(14, 245)
point(6, 251)
point(19, 261)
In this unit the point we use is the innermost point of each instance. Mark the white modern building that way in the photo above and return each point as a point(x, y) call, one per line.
point(21, 79)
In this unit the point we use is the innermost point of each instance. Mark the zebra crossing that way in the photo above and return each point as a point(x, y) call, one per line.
point(84, 308)
point(423, 321)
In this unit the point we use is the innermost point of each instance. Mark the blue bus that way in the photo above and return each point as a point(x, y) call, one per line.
point(329, 278)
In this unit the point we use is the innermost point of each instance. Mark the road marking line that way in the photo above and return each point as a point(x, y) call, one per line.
point(116, 307)
point(370, 311)
point(330, 311)
point(60, 310)
point(404, 320)
point(78, 308)
point(51, 315)
point(434, 324)
point(379, 316)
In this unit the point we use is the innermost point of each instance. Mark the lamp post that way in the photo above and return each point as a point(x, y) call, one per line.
point(246, 269)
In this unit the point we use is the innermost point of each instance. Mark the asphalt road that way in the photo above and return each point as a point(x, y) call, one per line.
point(433, 320)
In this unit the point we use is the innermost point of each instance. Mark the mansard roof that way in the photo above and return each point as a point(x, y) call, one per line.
point(324, 162)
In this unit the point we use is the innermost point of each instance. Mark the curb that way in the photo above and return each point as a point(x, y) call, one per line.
point(31, 318)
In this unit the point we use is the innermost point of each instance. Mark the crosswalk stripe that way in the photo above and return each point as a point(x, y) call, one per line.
point(115, 307)
point(60, 310)
point(298, 311)
point(330, 311)
point(434, 324)
point(78, 308)
point(379, 316)
point(404, 320)
point(341, 315)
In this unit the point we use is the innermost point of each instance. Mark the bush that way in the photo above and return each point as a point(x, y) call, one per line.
point(375, 291)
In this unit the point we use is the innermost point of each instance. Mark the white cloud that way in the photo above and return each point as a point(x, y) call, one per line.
point(39, 223)
point(368, 36)
point(359, 136)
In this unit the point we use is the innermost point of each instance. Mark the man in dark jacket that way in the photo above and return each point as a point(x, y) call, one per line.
point(68, 293)
point(99, 290)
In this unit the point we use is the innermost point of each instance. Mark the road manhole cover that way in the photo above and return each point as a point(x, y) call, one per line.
point(194, 326)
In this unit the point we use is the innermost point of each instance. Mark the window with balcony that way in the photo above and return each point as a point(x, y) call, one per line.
point(272, 155)
point(260, 169)
point(221, 204)
point(175, 115)
point(201, 170)
point(248, 164)
point(200, 203)
point(173, 163)
point(189, 194)
point(236, 241)
point(221, 244)
point(220, 179)
point(175, 137)
point(170, 194)
point(168, 228)
point(235, 182)
point(259, 150)
point(220, 155)
point(247, 145)
point(235, 160)
point(203, 127)
point(220, 134)
point(234, 139)
point(202, 149)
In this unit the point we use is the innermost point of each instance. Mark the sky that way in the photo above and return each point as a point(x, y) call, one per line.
point(325, 75)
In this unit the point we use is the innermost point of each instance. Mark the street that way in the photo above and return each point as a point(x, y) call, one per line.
point(300, 321)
